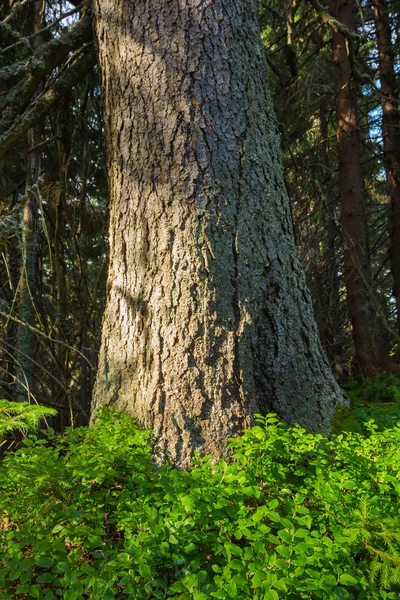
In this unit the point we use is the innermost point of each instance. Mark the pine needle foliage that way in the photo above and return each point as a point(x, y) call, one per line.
point(21, 416)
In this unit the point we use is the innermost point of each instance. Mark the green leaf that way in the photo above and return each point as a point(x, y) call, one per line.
point(22, 589)
point(34, 591)
point(271, 595)
point(274, 516)
point(284, 551)
point(301, 533)
point(45, 578)
point(258, 579)
point(236, 564)
point(187, 501)
point(70, 595)
point(178, 587)
point(70, 577)
point(347, 579)
point(61, 566)
point(285, 536)
point(44, 561)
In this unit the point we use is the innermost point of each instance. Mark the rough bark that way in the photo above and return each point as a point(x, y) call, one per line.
point(208, 318)
point(369, 340)
point(391, 137)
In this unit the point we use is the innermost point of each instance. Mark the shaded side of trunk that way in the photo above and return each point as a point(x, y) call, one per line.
point(370, 348)
point(208, 318)
point(390, 136)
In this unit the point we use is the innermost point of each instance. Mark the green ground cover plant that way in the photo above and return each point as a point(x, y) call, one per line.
point(377, 399)
point(291, 515)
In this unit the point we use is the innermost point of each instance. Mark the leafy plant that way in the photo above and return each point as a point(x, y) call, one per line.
point(21, 416)
point(289, 515)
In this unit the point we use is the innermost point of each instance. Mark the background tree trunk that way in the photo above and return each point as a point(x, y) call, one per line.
point(391, 137)
point(369, 340)
point(208, 318)
point(29, 249)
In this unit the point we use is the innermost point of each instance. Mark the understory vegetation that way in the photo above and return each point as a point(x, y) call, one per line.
point(377, 399)
point(288, 515)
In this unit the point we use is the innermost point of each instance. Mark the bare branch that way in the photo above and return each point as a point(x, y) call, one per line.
point(44, 102)
point(27, 40)
point(42, 63)
point(334, 23)
point(46, 337)
point(41, 145)
point(17, 9)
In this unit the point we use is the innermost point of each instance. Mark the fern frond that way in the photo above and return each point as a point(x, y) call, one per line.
point(396, 576)
point(21, 416)
point(375, 567)
point(386, 575)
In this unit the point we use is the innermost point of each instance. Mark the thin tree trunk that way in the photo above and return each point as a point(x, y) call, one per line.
point(208, 317)
point(391, 137)
point(29, 250)
point(8, 328)
point(369, 341)
point(332, 255)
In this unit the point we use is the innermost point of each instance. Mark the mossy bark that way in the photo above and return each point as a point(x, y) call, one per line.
point(208, 318)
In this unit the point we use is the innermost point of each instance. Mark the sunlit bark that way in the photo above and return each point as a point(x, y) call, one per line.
point(208, 318)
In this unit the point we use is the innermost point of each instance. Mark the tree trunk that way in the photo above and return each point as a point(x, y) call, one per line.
point(332, 317)
point(29, 250)
point(369, 341)
point(208, 318)
point(391, 137)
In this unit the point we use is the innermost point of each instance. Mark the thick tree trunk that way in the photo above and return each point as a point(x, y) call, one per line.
point(208, 318)
point(391, 137)
point(369, 341)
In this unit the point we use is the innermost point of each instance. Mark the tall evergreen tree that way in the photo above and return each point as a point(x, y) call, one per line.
point(208, 318)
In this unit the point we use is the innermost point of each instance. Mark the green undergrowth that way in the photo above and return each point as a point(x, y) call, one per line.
point(21, 416)
point(291, 515)
point(377, 399)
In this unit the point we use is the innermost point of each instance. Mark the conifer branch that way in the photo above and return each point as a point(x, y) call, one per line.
point(334, 23)
point(19, 126)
